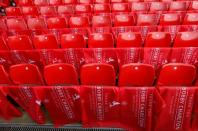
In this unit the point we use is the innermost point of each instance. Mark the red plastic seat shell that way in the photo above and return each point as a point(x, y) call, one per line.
point(186, 39)
point(101, 40)
point(56, 23)
point(191, 19)
point(124, 20)
point(120, 7)
point(20, 42)
point(13, 11)
point(158, 39)
point(101, 21)
point(47, 41)
point(97, 74)
point(36, 23)
point(30, 11)
point(170, 19)
point(136, 74)
point(129, 39)
point(16, 24)
point(101, 8)
point(176, 74)
point(25, 74)
point(73, 41)
point(78, 22)
point(61, 73)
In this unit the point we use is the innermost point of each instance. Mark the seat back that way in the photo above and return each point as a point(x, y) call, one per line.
point(124, 20)
point(176, 74)
point(129, 39)
point(19, 42)
point(16, 24)
point(61, 73)
point(47, 41)
point(170, 19)
point(186, 39)
point(56, 23)
point(22, 74)
point(158, 39)
point(73, 41)
point(97, 74)
point(136, 74)
point(78, 21)
point(101, 21)
point(36, 23)
point(101, 40)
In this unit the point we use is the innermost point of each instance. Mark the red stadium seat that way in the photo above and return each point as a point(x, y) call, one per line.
point(158, 39)
point(22, 74)
point(25, 2)
point(124, 20)
point(16, 24)
point(168, 1)
point(84, 1)
point(101, 21)
point(147, 19)
point(56, 23)
point(4, 77)
point(65, 9)
point(3, 45)
point(55, 2)
point(78, 21)
point(186, 39)
point(129, 39)
point(47, 41)
point(101, 40)
point(47, 10)
point(30, 11)
point(41, 2)
point(170, 19)
point(158, 6)
point(72, 41)
point(117, 1)
point(102, 8)
point(140, 7)
point(101, 1)
point(131, 1)
point(68, 2)
point(193, 6)
point(191, 19)
point(178, 6)
point(177, 74)
point(83, 8)
point(97, 74)
point(120, 7)
point(19, 42)
point(61, 73)
point(136, 74)
point(13, 11)
point(36, 23)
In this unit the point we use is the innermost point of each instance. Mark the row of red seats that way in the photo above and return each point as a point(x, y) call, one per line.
point(97, 8)
point(174, 4)
point(99, 40)
point(19, 23)
point(134, 74)
point(114, 56)
point(105, 106)
point(143, 30)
